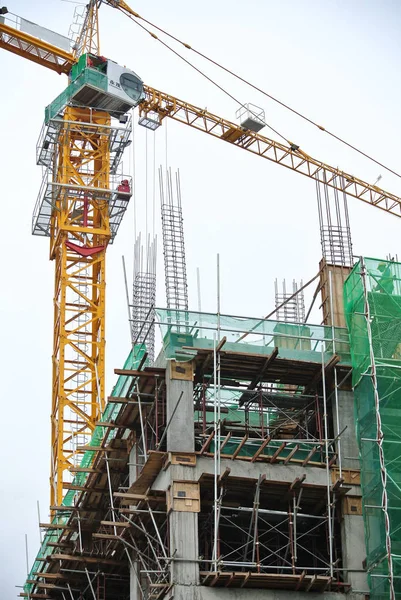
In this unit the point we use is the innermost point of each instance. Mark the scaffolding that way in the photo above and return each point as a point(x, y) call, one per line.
point(144, 295)
point(373, 307)
point(173, 242)
point(254, 530)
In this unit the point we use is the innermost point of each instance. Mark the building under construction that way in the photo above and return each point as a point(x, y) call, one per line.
point(233, 466)
point(233, 463)
point(244, 457)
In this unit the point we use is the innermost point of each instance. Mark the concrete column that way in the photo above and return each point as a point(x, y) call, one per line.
point(135, 590)
point(180, 433)
point(183, 526)
point(349, 444)
point(184, 538)
point(354, 550)
point(134, 570)
point(352, 527)
point(184, 547)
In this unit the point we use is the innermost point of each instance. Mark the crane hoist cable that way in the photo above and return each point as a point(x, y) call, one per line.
point(255, 87)
point(241, 104)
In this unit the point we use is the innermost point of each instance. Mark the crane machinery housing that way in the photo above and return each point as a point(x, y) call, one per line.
point(220, 465)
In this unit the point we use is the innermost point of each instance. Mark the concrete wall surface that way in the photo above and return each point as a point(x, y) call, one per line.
point(180, 592)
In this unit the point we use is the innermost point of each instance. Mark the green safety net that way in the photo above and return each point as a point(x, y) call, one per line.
point(111, 411)
point(185, 331)
point(372, 300)
point(88, 77)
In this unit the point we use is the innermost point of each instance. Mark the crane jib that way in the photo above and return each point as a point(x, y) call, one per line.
point(158, 105)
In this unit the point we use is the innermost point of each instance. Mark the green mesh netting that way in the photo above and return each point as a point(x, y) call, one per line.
point(111, 411)
point(184, 330)
point(376, 361)
point(90, 77)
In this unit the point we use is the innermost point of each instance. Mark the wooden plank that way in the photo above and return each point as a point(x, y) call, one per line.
point(48, 586)
point(301, 578)
point(291, 454)
point(149, 472)
point(311, 583)
point(329, 366)
point(45, 575)
point(69, 509)
point(283, 581)
point(94, 449)
point(297, 483)
point(229, 434)
point(311, 453)
point(130, 401)
point(224, 476)
point(207, 442)
point(155, 372)
point(261, 448)
point(105, 536)
point(269, 360)
point(109, 424)
point(55, 526)
point(229, 580)
point(277, 452)
point(130, 496)
point(84, 470)
point(85, 559)
point(82, 488)
point(239, 447)
point(33, 595)
point(115, 524)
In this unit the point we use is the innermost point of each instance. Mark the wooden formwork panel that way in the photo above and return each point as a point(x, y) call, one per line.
point(181, 370)
point(184, 496)
point(350, 476)
point(352, 505)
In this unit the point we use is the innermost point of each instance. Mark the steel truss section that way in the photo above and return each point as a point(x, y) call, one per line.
point(291, 156)
point(79, 228)
point(15, 40)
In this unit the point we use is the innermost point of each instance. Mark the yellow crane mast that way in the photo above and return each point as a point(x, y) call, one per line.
point(79, 235)
point(80, 206)
point(84, 197)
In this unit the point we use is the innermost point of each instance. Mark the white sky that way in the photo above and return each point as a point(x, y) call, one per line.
point(335, 61)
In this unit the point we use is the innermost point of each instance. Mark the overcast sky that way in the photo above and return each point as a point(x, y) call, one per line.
point(335, 61)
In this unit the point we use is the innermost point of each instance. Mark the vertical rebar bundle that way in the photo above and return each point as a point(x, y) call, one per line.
point(144, 295)
point(335, 231)
point(173, 242)
point(293, 311)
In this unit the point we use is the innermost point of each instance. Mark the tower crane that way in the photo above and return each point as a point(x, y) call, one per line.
point(84, 197)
